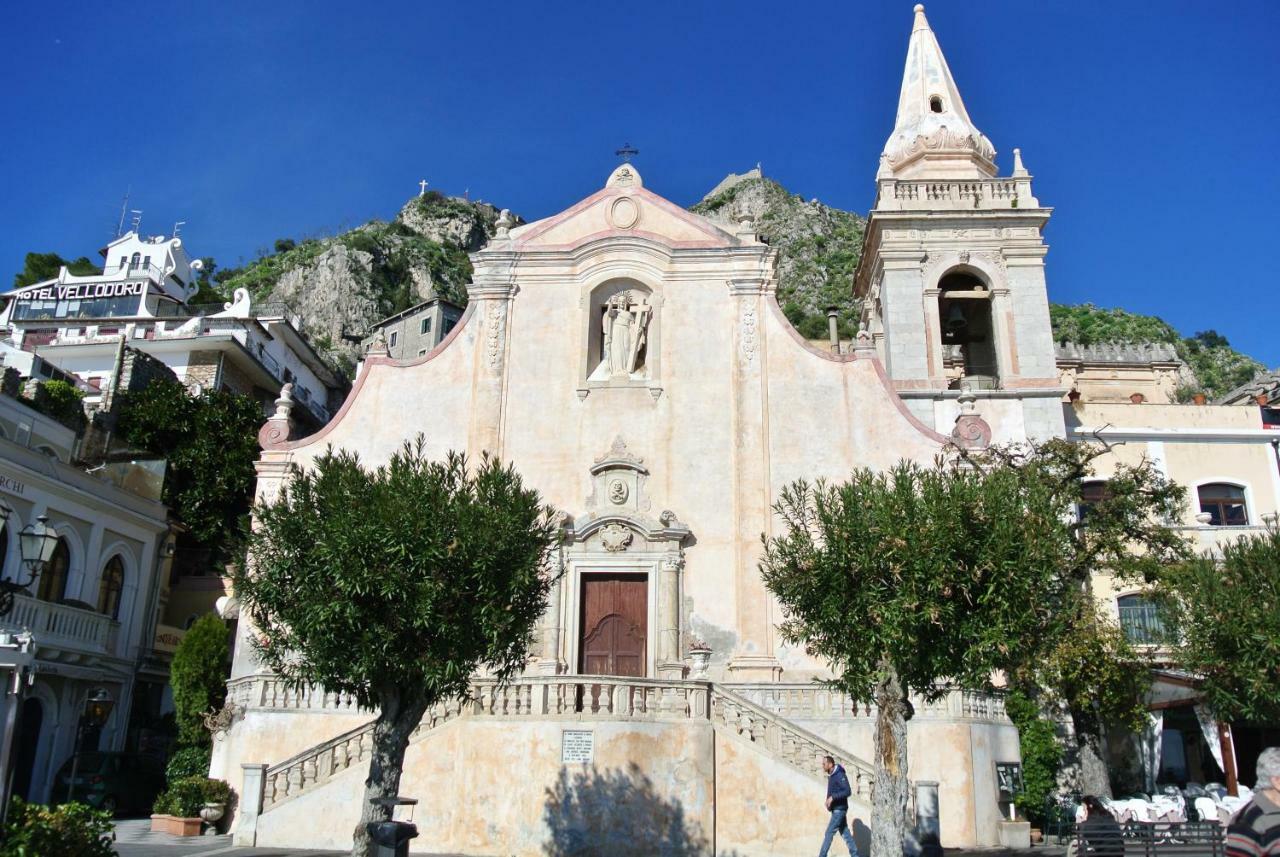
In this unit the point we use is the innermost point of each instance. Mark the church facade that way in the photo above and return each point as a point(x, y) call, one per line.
point(632, 361)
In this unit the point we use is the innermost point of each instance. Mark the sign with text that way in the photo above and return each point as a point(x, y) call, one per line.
point(577, 746)
point(83, 292)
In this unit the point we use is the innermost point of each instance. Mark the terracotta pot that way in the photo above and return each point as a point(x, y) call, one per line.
point(1137, 398)
point(1199, 398)
point(159, 824)
point(185, 826)
point(1036, 836)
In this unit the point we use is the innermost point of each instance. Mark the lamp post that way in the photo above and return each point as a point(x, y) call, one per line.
point(17, 657)
point(37, 543)
point(97, 708)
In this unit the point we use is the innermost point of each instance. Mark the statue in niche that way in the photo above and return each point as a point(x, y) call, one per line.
point(624, 324)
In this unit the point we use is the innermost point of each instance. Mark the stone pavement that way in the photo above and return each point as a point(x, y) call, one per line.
point(135, 839)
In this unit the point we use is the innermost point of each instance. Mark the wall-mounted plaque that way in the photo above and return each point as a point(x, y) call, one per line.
point(577, 746)
point(1008, 780)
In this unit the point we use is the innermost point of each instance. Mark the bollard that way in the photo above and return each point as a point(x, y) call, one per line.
point(391, 838)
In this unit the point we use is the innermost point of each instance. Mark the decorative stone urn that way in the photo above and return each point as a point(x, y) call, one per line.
point(699, 658)
point(211, 814)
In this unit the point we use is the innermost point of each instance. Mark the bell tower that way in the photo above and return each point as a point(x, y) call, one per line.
point(952, 270)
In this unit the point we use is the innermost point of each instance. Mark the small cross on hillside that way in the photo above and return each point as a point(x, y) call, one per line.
point(627, 152)
point(422, 188)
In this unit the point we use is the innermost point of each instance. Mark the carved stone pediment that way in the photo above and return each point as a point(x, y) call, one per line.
point(618, 481)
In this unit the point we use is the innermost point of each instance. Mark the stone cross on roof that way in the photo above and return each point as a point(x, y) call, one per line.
point(627, 152)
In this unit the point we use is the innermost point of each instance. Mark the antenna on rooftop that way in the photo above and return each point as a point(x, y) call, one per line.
point(177, 227)
point(124, 207)
point(137, 220)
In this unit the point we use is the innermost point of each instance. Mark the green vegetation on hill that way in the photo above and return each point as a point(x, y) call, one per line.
point(818, 250)
point(38, 267)
point(1216, 366)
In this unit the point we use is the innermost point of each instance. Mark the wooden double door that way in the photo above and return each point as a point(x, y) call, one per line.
point(614, 624)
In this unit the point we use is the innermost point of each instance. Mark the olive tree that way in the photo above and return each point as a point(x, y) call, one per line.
point(926, 578)
point(913, 581)
point(1085, 662)
point(1223, 616)
point(396, 584)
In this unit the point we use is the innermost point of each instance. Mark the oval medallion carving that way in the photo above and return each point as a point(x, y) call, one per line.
point(624, 213)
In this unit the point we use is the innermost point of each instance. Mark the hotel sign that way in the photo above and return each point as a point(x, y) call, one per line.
point(83, 292)
point(13, 486)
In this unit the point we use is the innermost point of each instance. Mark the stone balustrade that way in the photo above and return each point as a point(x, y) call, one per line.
point(814, 701)
point(63, 626)
point(541, 697)
point(785, 741)
point(955, 194)
point(272, 692)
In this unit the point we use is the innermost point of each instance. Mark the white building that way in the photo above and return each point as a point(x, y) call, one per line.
point(75, 323)
point(93, 611)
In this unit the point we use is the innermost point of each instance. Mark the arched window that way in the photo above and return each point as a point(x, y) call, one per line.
point(110, 587)
point(1140, 620)
point(52, 583)
point(135, 261)
point(1224, 504)
point(968, 336)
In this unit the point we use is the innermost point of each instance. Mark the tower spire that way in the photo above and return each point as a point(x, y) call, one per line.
point(933, 136)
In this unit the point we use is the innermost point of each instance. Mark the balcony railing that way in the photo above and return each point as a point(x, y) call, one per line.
point(62, 625)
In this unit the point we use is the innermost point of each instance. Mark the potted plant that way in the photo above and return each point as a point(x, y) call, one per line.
point(178, 810)
point(699, 657)
point(217, 797)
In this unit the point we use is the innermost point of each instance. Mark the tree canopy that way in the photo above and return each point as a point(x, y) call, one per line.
point(1223, 618)
point(38, 267)
point(396, 584)
point(211, 443)
point(938, 573)
point(198, 677)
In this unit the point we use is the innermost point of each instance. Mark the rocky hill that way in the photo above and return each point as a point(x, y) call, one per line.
point(342, 285)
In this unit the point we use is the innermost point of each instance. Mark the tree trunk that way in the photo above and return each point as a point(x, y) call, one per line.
point(889, 791)
point(1091, 741)
point(398, 717)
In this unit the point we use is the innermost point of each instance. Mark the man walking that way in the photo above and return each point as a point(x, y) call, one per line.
point(1255, 831)
point(838, 793)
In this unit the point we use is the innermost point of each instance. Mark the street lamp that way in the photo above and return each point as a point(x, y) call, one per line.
point(97, 708)
point(37, 543)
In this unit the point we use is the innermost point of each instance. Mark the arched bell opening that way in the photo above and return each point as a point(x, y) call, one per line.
point(968, 333)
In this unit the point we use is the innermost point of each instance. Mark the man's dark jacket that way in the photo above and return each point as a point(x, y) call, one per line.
point(838, 788)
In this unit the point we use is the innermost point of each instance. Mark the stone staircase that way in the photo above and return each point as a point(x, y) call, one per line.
point(580, 698)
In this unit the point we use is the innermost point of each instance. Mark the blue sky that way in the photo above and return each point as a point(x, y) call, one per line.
point(1150, 127)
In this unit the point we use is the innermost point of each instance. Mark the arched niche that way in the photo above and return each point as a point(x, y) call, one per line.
point(621, 324)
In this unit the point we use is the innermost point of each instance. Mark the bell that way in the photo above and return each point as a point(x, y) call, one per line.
point(956, 321)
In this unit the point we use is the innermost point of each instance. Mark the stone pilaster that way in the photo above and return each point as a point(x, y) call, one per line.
point(669, 664)
point(492, 305)
point(754, 659)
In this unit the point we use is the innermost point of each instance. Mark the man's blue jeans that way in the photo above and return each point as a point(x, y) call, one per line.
point(838, 822)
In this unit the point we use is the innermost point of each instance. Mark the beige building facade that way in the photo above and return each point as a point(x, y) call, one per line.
point(662, 412)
